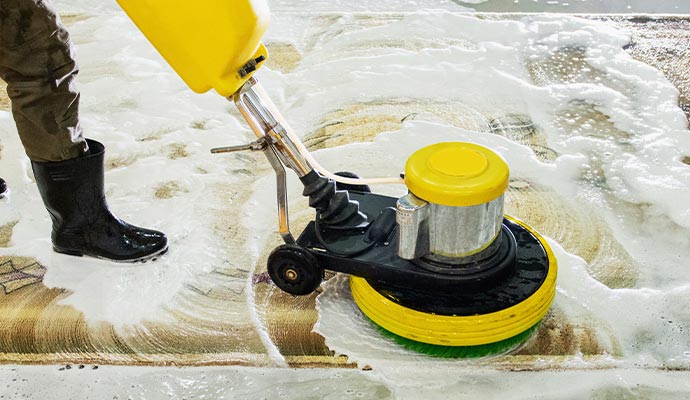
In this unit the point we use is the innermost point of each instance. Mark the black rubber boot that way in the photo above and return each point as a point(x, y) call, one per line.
point(72, 191)
point(3, 188)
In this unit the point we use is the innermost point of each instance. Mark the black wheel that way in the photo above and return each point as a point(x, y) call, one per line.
point(294, 269)
point(345, 186)
point(3, 187)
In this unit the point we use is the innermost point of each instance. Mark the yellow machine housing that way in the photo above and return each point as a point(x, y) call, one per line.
point(206, 42)
point(456, 174)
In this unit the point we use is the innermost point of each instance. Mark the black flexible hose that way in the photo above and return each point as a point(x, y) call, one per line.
point(319, 237)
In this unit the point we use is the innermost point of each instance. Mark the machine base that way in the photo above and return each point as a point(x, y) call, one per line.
point(475, 305)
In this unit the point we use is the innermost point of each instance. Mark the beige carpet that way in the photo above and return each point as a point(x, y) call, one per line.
point(36, 328)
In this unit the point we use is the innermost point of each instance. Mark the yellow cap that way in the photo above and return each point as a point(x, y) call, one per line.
point(456, 174)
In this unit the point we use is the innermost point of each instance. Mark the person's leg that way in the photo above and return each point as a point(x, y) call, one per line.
point(37, 63)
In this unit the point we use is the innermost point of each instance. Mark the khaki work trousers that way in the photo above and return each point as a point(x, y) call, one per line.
point(37, 62)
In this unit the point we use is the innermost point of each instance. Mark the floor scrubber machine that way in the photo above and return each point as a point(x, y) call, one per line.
point(441, 270)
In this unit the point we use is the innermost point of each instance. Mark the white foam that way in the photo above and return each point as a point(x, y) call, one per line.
point(585, 6)
point(490, 73)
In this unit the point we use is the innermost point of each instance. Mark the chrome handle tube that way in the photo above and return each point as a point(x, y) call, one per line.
point(266, 122)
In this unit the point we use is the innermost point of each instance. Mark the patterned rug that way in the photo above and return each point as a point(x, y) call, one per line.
point(211, 319)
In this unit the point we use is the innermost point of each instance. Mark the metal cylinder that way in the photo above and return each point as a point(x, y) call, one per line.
point(454, 211)
point(460, 232)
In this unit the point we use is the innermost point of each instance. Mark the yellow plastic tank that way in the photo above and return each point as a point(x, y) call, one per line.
point(207, 42)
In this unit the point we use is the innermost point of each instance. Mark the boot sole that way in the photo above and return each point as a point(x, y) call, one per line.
point(144, 259)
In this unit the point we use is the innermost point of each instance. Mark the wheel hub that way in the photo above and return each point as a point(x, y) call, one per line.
point(291, 274)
